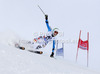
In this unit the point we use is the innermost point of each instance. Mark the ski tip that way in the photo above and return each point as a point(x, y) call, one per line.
point(41, 52)
point(23, 48)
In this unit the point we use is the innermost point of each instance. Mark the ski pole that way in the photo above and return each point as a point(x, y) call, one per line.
point(41, 10)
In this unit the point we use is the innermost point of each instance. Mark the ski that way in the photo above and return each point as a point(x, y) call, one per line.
point(37, 52)
point(23, 48)
point(20, 47)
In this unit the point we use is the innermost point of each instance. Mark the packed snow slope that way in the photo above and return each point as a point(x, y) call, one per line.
point(16, 61)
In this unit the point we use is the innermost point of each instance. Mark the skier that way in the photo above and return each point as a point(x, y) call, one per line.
point(43, 40)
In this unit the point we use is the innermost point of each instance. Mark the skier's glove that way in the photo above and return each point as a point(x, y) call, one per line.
point(46, 17)
point(52, 54)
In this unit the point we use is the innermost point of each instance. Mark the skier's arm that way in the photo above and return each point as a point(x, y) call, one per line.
point(47, 23)
point(52, 54)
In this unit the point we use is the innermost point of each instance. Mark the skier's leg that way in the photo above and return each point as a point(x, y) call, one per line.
point(38, 47)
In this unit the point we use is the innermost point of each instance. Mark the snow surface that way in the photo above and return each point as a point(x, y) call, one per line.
point(16, 61)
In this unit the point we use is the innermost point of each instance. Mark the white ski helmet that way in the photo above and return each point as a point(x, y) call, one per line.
point(55, 31)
